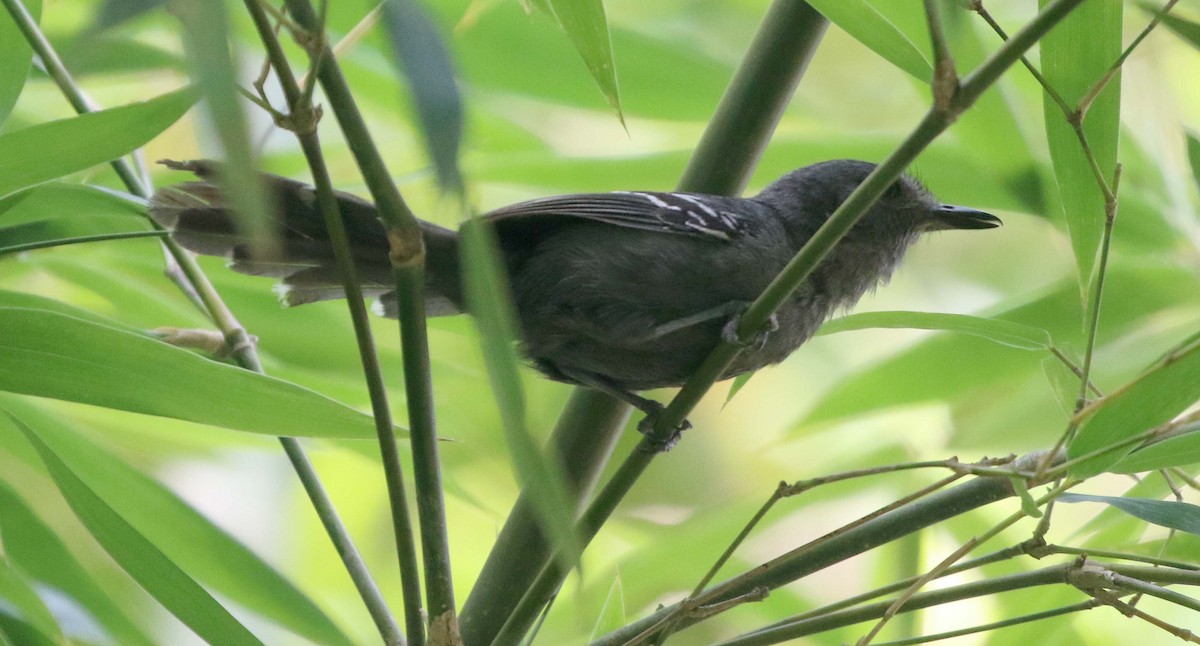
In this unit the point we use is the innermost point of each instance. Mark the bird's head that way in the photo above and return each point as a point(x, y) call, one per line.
point(808, 196)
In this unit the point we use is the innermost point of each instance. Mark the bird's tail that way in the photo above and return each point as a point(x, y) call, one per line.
point(201, 220)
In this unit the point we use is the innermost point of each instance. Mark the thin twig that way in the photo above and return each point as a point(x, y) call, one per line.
point(407, 255)
point(303, 116)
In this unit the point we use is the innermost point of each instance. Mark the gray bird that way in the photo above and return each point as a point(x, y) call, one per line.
point(621, 291)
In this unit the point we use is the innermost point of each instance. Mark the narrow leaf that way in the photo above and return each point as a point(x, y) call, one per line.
point(37, 549)
point(1176, 451)
point(1193, 153)
point(115, 12)
point(16, 57)
point(1182, 516)
point(1015, 335)
point(869, 27)
point(612, 614)
point(51, 150)
point(64, 230)
point(205, 31)
point(183, 534)
point(1075, 55)
point(1151, 399)
point(57, 199)
point(157, 574)
point(423, 56)
point(1186, 29)
point(19, 595)
point(490, 303)
point(586, 26)
point(48, 354)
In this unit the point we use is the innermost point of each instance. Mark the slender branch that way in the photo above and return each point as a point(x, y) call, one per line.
point(945, 78)
point(1089, 97)
point(1110, 217)
point(302, 118)
point(197, 287)
point(407, 255)
point(1014, 621)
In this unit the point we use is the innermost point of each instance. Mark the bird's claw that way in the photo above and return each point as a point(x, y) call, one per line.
point(654, 443)
point(729, 333)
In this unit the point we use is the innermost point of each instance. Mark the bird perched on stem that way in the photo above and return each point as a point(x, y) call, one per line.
point(621, 291)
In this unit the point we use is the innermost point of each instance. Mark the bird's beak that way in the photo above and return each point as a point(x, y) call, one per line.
point(948, 216)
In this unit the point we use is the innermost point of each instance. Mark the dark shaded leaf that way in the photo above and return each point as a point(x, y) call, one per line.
point(1182, 516)
point(425, 59)
point(490, 303)
point(114, 12)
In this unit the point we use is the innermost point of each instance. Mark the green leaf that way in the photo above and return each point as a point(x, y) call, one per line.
point(1182, 516)
point(1193, 153)
point(422, 54)
point(1177, 451)
point(586, 26)
point(15, 58)
point(51, 150)
point(1184, 28)
point(490, 303)
point(156, 573)
point(869, 27)
point(17, 593)
point(205, 31)
point(185, 536)
point(1015, 335)
point(51, 355)
point(612, 614)
point(1075, 55)
point(1154, 397)
point(38, 550)
point(72, 229)
point(58, 199)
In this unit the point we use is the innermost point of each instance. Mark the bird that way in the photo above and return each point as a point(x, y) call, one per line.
point(624, 291)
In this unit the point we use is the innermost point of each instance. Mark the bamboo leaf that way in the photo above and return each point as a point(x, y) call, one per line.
point(490, 303)
point(612, 614)
point(1177, 451)
point(1014, 335)
point(1075, 55)
point(16, 56)
point(1182, 516)
point(185, 536)
point(871, 28)
point(51, 150)
point(586, 26)
point(425, 60)
point(48, 354)
point(156, 573)
point(38, 550)
point(1186, 29)
point(1154, 397)
point(70, 229)
point(23, 600)
point(1193, 153)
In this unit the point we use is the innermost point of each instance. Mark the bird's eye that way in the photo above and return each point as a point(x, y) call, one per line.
point(894, 191)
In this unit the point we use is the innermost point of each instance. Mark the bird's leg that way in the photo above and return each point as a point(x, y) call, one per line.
point(729, 333)
point(651, 408)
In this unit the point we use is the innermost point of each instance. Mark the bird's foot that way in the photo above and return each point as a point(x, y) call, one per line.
point(729, 333)
point(654, 443)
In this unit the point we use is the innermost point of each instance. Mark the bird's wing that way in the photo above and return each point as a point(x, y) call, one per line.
point(693, 214)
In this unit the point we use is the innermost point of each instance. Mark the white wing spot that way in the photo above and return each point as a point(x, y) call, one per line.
point(698, 202)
